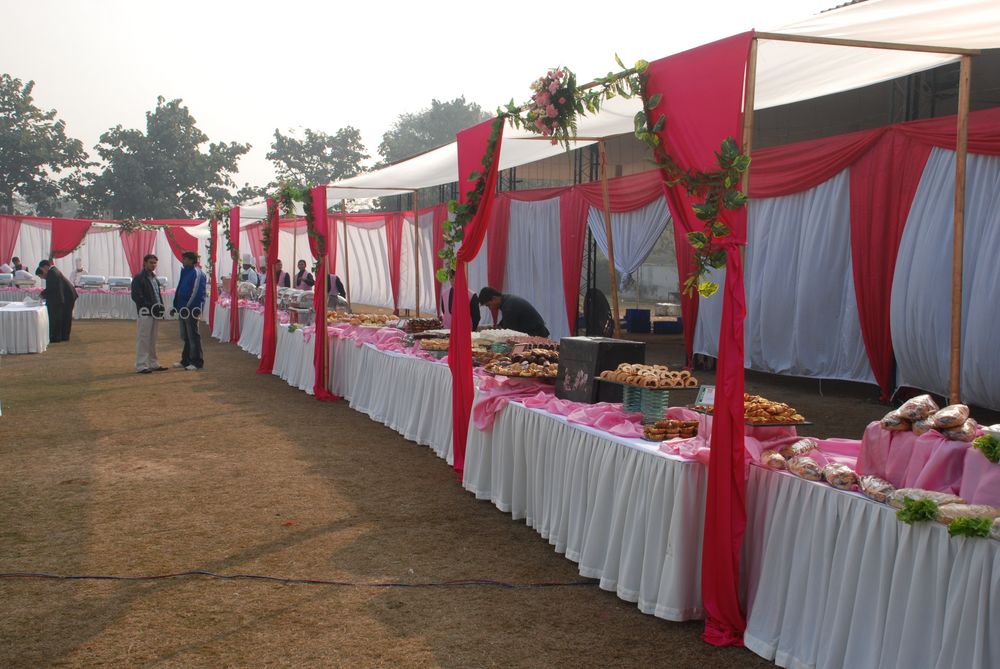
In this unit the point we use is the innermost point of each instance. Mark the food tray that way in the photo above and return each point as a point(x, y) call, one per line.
point(543, 379)
point(632, 385)
point(804, 422)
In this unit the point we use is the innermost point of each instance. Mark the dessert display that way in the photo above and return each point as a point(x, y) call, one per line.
point(533, 342)
point(876, 488)
point(481, 357)
point(505, 366)
point(898, 497)
point(670, 429)
point(800, 447)
point(368, 320)
point(805, 467)
point(761, 411)
point(650, 376)
point(538, 356)
point(415, 325)
point(947, 513)
point(773, 460)
point(840, 476)
point(434, 344)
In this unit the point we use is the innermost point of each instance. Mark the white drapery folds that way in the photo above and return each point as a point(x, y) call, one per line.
point(635, 233)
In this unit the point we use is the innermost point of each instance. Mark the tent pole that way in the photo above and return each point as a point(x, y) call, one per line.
point(347, 256)
point(748, 100)
point(295, 251)
point(958, 234)
point(416, 248)
point(607, 231)
point(866, 44)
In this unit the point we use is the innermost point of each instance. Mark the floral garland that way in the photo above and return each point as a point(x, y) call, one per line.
point(285, 198)
point(265, 237)
point(130, 225)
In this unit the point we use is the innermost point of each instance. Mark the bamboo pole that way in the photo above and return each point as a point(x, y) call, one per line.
point(866, 44)
point(347, 257)
point(607, 231)
point(748, 100)
point(961, 150)
point(416, 248)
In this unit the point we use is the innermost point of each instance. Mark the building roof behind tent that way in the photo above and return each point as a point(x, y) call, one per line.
point(786, 72)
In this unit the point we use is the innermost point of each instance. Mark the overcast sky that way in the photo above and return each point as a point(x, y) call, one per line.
point(246, 68)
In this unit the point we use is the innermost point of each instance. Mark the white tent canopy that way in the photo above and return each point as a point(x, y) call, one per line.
point(786, 72)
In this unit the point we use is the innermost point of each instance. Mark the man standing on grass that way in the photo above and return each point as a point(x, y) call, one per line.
point(149, 305)
point(189, 300)
point(60, 298)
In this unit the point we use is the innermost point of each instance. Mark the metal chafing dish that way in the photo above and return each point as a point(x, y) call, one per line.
point(119, 282)
point(91, 280)
point(6, 279)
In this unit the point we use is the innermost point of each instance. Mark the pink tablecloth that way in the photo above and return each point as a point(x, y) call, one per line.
point(931, 462)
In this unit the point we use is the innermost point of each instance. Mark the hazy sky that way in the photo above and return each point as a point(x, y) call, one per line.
point(246, 68)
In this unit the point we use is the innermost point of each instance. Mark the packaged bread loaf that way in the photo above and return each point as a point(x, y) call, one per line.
point(894, 422)
point(951, 416)
point(800, 447)
point(773, 460)
point(875, 488)
point(949, 512)
point(940, 498)
point(918, 407)
point(923, 426)
point(840, 476)
point(965, 432)
point(805, 467)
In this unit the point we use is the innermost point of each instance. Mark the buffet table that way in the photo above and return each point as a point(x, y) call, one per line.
point(835, 580)
point(23, 329)
point(251, 330)
point(91, 303)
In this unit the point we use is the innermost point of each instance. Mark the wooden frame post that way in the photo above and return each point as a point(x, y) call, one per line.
point(416, 249)
point(607, 231)
point(347, 257)
point(747, 148)
point(958, 232)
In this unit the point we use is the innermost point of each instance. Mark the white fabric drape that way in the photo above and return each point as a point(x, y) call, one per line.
point(921, 287)
point(802, 314)
point(534, 268)
point(407, 265)
point(33, 245)
point(635, 234)
point(369, 269)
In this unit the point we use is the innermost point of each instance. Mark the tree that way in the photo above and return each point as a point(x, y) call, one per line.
point(317, 158)
point(429, 128)
point(34, 149)
point(164, 172)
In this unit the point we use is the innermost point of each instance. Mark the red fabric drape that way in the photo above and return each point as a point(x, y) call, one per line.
point(269, 338)
point(625, 193)
point(255, 234)
point(572, 231)
point(234, 296)
point(10, 229)
point(437, 231)
point(180, 240)
point(883, 184)
point(472, 144)
point(137, 244)
point(214, 288)
point(394, 249)
point(67, 234)
point(496, 248)
point(321, 222)
point(712, 79)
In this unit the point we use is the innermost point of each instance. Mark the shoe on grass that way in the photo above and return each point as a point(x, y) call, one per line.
point(178, 365)
point(144, 371)
point(191, 368)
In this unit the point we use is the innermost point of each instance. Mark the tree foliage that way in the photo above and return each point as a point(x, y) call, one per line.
point(429, 128)
point(318, 157)
point(34, 150)
point(165, 172)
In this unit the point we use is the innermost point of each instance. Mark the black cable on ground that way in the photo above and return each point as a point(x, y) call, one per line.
point(485, 583)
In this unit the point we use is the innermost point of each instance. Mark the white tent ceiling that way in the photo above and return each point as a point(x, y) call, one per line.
point(786, 72)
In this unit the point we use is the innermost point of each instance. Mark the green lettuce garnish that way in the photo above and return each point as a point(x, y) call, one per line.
point(970, 527)
point(917, 510)
point(989, 445)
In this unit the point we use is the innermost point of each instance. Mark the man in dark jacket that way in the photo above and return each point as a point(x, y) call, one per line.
point(518, 314)
point(149, 307)
point(189, 300)
point(60, 298)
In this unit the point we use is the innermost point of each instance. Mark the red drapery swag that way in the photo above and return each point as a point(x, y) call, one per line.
point(234, 295)
point(255, 234)
point(269, 338)
point(180, 241)
point(496, 247)
point(440, 215)
point(472, 144)
point(712, 79)
point(321, 222)
point(137, 244)
point(67, 235)
point(214, 260)
point(394, 250)
point(10, 229)
point(573, 211)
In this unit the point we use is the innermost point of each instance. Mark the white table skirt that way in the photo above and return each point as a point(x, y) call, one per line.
point(407, 394)
point(251, 331)
point(89, 306)
point(220, 330)
point(293, 359)
point(628, 514)
point(835, 580)
point(23, 329)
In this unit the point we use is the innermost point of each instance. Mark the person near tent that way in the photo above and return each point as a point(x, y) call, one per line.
point(281, 278)
point(16, 264)
point(336, 295)
point(74, 277)
point(447, 301)
point(150, 309)
point(60, 298)
point(249, 274)
point(517, 312)
point(303, 279)
point(189, 300)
